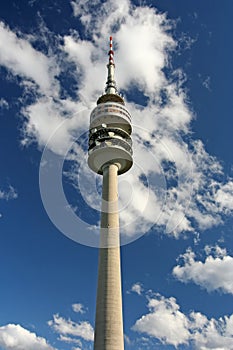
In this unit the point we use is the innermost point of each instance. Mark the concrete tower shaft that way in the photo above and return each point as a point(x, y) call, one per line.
point(109, 323)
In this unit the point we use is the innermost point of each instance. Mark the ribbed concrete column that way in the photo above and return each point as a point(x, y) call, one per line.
point(109, 323)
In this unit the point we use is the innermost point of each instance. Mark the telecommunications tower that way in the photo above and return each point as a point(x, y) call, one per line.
point(109, 154)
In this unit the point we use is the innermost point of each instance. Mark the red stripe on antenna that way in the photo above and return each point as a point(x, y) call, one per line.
point(111, 53)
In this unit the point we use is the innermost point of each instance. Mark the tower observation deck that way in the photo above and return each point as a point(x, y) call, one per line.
point(109, 154)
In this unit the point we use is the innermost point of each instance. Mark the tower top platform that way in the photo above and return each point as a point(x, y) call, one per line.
point(110, 98)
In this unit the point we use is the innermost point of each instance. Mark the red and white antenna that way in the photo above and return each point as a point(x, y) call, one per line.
point(111, 84)
point(111, 52)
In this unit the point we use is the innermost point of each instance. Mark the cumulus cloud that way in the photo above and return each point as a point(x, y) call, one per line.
point(8, 194)
point(184, 187)
point(165, 321)
point(15, 337)
point(65, 327)
point(214, 273)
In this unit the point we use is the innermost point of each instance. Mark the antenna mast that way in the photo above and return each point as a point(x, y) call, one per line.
point(111, 84)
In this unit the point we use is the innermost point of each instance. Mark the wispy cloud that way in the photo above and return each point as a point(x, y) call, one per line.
point(8, 194)
point(79, 308)
point(70, 340)
point(68, 327)
point(4, 104)
point(137, 288)
point(18, 55)
point(206, 82)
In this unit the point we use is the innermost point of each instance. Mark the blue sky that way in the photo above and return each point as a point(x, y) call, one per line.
point(174, 67)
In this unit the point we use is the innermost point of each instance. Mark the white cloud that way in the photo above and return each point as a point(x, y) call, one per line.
point(4, 104)
point(137, 288)
point(46, 116)
point(70, 340)
point(215, 251)
point(166, 322)
point(15, 337)
point(67, 327)
point(127, 339)
point(224, 195)
point(18, 55)
point(9, 194)
point(206, 83)
point(215, 273)
point(78, 308)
